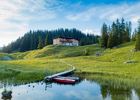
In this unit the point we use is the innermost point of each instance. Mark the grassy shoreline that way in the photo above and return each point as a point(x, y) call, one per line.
point(29, 70)
point(35, 65)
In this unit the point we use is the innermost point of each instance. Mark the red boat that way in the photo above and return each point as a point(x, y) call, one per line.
point(64, 80)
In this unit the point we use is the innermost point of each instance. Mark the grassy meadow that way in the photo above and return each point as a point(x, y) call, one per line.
point(109, 65)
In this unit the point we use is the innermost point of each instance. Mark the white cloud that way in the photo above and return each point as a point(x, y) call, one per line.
point(82, 95)
point(11, 33)
point(91, 31)
point(17, 15)
point(108, 12)
point(85, 15)
point(135, 19)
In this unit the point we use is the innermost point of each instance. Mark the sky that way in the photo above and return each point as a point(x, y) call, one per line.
point(19, 16)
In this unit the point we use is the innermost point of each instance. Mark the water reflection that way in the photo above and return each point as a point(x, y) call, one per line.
point(137, 91)
point(115, 93)
point(83, 90)
point(6, 94)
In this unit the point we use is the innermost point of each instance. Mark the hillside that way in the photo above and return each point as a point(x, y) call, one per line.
point(91, 59)
point(33, 40)
point(58, 52)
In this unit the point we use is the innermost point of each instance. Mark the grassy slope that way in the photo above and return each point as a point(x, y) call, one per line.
point(35, 64)
point(111, 62)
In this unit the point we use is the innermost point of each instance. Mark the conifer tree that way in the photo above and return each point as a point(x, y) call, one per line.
point(40, 43)
point(137, 46)
point(118, 31)
point(114, 34)
point(122, 31)
point(110, 42)
point(104, 37)
point(46, 40)
point(127, 34)
point(134, 35)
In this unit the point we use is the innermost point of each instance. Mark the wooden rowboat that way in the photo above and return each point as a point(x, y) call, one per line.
point(64, 80)
point(69, 77)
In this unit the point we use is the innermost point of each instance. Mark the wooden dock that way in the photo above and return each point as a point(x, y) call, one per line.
point(68, 72)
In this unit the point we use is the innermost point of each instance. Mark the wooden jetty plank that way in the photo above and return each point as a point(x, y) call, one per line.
point(60, 74)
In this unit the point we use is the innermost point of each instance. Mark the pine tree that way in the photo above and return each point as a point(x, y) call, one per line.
point(46, 40)
point(104, 37)
point(114, 34)
point(118, 38)
point(122, 31)
point(31, 40)
point(127, 33)
point(25, 43)
point(40, 43)
point(134, 35)
point(110, 43)
point(111, 39)
point(137, 46)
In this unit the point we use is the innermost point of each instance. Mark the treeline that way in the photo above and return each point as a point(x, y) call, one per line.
point(119, 32)
point(38, 39)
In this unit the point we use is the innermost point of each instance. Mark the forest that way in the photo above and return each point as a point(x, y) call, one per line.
point(119, 32)
point(38, 39)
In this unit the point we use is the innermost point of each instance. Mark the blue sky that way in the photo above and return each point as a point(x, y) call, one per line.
point(19, 16)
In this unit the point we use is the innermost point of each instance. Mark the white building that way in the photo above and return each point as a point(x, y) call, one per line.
point(66, 42)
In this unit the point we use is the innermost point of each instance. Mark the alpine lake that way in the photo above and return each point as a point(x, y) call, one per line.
point(89, 87)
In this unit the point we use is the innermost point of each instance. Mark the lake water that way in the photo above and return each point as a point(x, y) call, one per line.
point(84, 90)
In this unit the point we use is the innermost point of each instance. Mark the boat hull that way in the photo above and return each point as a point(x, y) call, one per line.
point(64, 81)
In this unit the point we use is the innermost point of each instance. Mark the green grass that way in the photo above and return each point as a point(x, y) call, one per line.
point(30, 69)
point(59, 52)
point(34, 65)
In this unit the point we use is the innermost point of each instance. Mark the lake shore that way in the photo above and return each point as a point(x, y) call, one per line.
point(35, 65)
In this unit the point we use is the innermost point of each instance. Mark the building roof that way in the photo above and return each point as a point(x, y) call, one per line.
point(66, 39)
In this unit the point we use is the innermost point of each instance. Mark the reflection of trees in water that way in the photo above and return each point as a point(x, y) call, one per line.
point(120, 93)
point(6, 94)
point(138, 92)
point(115, 90)
point(113, 86)
point(116, 93)
point(104, 91)
point(48, 85)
